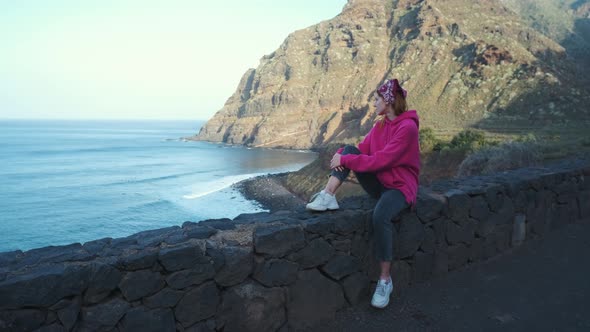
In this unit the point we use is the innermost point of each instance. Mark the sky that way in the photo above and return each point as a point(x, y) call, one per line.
point(138, 59)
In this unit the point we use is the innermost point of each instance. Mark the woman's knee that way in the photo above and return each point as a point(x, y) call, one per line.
point(340, 175)
point(350, 149)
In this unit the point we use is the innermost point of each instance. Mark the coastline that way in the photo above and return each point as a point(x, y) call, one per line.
point(269, 190)
point(292, 190)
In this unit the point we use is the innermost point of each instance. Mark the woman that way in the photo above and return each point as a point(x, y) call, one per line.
point(387, 165)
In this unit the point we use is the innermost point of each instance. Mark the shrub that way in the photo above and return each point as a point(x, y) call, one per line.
point(427, 140)
point(468, 140)
point(493, 159)
point(528, 138)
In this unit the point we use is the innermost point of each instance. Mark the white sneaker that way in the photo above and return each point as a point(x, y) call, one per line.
point(322, 201)
point(382, 293)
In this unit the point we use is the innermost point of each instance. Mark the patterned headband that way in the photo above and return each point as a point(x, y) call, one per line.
point(388, 89)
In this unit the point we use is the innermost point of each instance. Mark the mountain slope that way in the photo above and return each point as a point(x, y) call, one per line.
point(565, 21)
point(465, 63)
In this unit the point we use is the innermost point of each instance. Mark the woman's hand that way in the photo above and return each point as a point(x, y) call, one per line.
point(335, 162)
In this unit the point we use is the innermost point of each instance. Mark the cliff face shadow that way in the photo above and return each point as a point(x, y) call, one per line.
point(560, 102)
point(466, 54)
point(558, 107)
point(577, 46)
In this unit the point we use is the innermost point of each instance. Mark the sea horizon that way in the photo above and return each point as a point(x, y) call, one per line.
point(77, 180)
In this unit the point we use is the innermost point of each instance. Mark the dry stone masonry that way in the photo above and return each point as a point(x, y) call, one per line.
point(284, 271)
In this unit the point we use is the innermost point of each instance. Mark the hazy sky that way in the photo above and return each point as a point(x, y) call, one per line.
point(138, 59)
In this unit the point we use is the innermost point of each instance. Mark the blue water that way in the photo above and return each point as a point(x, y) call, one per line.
point(74, 181)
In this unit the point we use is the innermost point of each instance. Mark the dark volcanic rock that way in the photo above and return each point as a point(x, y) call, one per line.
point(103, 279)
point(219, 224)
point(411, 235)
point(21, 320)
point(136, 285)
point(356, 288)
point(276, 272)
point(67, 311)
point(103, 316)
point(198, 304)
point(194, 276)
point(429, 205)
point(145, 320)
point(349, 221)
point(317, 252)
point(313, 298)
point(43, 286)
point(138, 259)
point(153, 237)
point(238, 263)
point(277, 241)
point(181, 257)
point(460, 233)
point(251, 307)
point(198, 231)
point(459, 204)
point(340, 266)
point(166, 298)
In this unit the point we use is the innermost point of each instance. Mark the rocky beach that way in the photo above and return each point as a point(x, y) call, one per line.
point(270, 193)
point(292, 190)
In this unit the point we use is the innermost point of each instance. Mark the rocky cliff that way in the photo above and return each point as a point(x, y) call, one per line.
point(465, 63)
point(565, 21)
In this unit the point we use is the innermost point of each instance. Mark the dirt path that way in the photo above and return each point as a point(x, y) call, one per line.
point(541, 286)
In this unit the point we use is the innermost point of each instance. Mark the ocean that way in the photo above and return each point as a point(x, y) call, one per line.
point(63, 182)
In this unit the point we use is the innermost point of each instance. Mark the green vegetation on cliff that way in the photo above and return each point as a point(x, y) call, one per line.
point(466, 153)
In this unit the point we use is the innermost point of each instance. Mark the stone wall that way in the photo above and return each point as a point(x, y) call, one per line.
point(282, 271)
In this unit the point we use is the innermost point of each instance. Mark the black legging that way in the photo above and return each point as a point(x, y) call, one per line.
point(390, 203)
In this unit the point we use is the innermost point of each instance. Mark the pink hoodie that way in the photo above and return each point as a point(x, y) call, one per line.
point(392, 151)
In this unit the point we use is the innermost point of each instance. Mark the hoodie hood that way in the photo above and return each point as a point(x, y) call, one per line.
point(411, 114)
